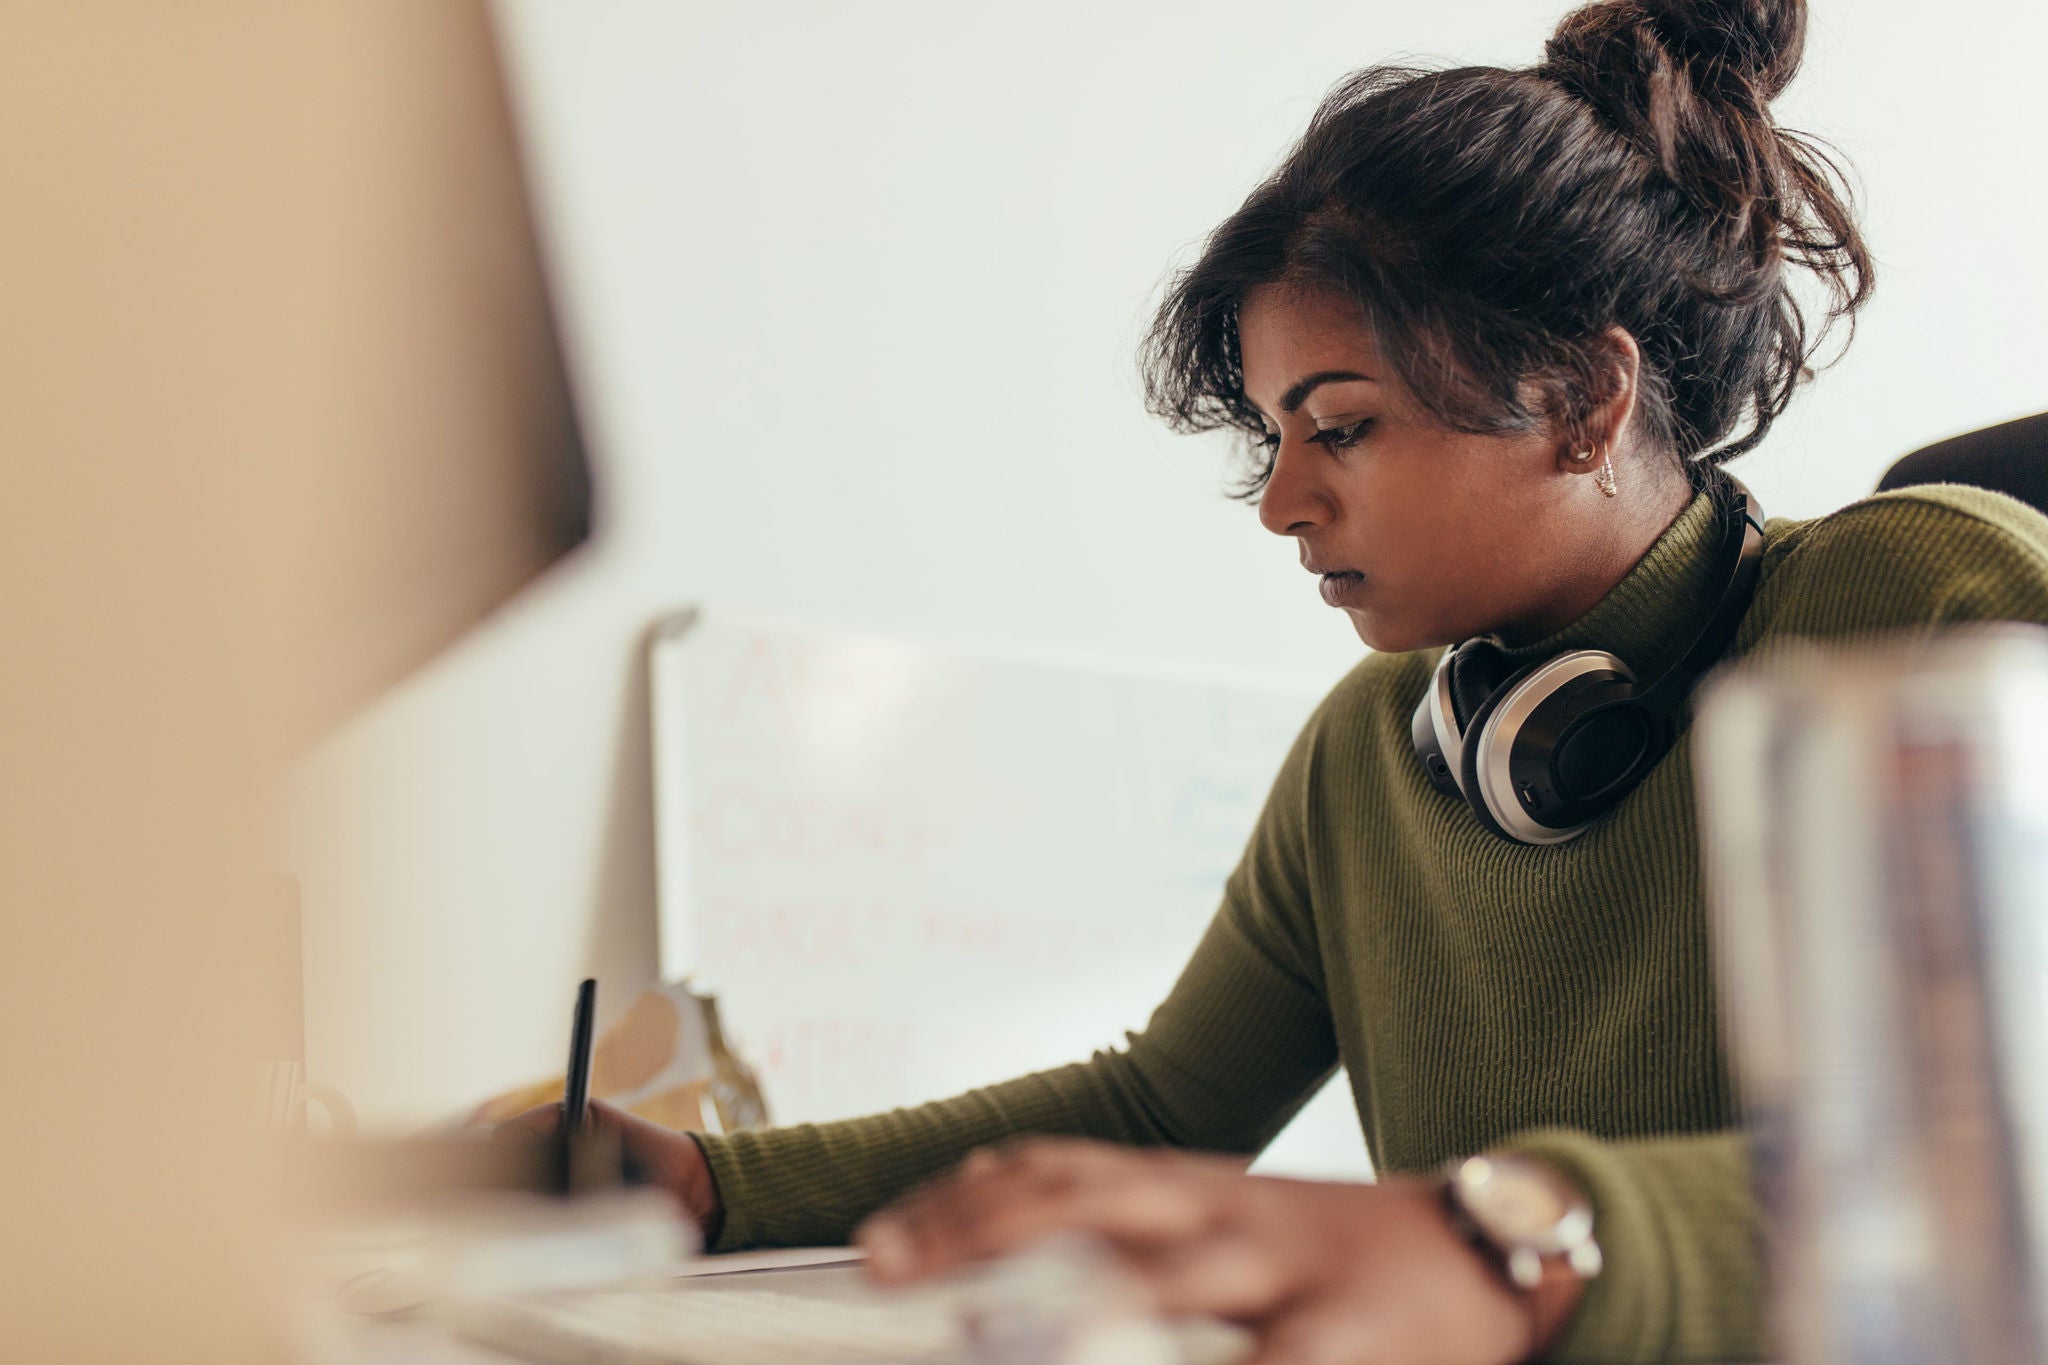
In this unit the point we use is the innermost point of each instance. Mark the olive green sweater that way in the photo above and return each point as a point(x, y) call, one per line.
point(1479, 994)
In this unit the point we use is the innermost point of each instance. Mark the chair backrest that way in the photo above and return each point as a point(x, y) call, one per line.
point(2010, 458)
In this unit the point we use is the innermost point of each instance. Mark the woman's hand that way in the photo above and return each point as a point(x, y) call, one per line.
point(667, 1159)
point(1321, 1272)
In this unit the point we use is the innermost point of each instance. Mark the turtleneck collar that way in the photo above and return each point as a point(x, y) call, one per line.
point(1653, 612)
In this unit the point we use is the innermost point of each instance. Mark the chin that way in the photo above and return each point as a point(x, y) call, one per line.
point(1384, 636)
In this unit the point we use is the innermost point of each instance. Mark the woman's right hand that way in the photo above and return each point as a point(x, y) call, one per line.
point(667, 1159)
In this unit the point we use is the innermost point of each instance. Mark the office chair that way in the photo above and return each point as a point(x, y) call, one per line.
point(2010, 458)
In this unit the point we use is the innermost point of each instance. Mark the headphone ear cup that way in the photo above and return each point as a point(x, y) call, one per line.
point(1434, 731)
point(1550, 750)
point(1474, 755)
point(1473, 672)
point(1544, 751)
point(1606, 752)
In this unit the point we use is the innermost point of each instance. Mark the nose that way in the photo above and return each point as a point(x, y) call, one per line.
point(1293, 502)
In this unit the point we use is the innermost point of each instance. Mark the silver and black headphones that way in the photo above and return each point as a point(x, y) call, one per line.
point(1540, 753)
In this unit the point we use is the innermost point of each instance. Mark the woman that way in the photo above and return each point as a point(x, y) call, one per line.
point(1491, 334)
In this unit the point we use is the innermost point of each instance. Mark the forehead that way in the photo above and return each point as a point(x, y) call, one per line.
point(1285, 332)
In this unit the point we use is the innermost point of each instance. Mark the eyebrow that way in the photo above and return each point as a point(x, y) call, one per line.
point(1292, 399)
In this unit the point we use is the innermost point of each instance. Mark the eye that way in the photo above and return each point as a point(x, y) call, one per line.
point(1343, 438)
point(1335, 438)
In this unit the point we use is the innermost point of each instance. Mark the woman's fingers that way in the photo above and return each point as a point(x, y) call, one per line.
point(1224, 1275)
point(1330, 1334)
point(538, 1122)
point(1325, 1274)
point(995, 1194)
point(1001, 1200)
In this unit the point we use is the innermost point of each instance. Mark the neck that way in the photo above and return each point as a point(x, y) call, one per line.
point(1631, 526)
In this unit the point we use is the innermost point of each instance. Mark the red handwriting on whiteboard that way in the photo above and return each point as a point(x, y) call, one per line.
point(789, 932)
point(737, 821)
point(813, 1050)
point(851, 684)
point(1051, 940)
point(747, 930)
point(757, 680)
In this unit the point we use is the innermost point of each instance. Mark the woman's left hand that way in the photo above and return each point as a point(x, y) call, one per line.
point(1321, 1272)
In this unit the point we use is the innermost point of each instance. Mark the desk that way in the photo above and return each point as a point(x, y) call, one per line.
point(364, 1341)
point(330, 1337)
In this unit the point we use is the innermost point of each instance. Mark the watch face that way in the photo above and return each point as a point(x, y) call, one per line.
point(1518, 1203)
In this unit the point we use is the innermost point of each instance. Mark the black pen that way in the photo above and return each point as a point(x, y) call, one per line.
point(576, 1086)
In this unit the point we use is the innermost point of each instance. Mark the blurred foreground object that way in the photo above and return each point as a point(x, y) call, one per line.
point(442, 466)
point(280, 1034)
point(665, 1059)
point(284, 414)
point(414, 1228)
point(1876, 825)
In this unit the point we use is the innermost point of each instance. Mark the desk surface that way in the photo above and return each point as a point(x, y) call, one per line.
point(338, 1339)
point(330, 1337)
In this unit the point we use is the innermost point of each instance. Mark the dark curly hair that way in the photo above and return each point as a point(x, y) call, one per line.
point(1492, 224)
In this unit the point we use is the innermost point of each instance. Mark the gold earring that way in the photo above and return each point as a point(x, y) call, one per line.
point(1604, 480)
point(1583, 455)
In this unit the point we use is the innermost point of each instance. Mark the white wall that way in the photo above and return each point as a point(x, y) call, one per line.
point(855, 290)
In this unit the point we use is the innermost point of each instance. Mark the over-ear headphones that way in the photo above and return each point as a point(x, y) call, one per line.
point(1540, 753)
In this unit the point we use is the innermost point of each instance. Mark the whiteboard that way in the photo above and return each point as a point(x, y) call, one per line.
point(907, 869)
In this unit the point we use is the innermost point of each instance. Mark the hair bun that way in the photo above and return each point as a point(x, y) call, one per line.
point(1757, 42)
point(1690, 82)
point(1618, 52)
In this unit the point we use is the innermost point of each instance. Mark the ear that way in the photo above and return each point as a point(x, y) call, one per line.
point(1614, 365)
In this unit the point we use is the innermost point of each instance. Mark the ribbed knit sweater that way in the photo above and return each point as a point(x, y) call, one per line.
point(1479, 994)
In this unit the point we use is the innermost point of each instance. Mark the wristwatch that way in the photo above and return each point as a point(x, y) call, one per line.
point(1522, 1214)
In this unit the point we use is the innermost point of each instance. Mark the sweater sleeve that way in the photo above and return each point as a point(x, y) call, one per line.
point(1678, 1222)
point(1680, 1235)
point(1911, 559)
point(1240, 1043)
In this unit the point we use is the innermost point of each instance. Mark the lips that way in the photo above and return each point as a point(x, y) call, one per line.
point(1342, 587)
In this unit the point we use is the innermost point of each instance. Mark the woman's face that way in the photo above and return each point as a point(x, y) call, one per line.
point(1422, 536)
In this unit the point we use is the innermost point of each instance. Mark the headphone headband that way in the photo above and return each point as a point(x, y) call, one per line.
point(1741, 549)
point(1540, 754)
